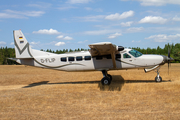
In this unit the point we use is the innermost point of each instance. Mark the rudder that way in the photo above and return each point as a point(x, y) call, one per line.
point(22, 47)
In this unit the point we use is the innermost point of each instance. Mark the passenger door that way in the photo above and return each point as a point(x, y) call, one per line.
point(127, 61)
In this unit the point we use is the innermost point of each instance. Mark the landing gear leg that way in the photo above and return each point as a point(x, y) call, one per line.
point(106, 80)
point(158, 78)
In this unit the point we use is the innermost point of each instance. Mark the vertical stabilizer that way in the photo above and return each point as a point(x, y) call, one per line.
point(22, 47)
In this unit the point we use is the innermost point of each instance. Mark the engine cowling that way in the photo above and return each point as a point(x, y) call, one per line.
point(119, 48)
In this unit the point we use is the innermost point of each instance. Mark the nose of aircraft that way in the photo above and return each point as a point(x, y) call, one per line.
point(167, 59)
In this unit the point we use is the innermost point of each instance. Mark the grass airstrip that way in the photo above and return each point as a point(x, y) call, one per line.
point(35, 93)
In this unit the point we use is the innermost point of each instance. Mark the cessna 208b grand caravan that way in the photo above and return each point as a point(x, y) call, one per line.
point(102, 57)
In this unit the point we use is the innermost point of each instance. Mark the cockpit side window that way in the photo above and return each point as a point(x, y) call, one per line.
point(125, 55)
point(135, 53)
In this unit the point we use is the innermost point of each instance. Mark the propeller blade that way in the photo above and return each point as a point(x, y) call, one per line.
point(169, 52)
point(169, 58)
point(168, 67)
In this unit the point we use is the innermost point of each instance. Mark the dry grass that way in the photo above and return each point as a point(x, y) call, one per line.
point(35, 93)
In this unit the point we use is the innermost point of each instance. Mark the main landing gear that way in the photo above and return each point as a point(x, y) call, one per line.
point(107, 78)
point(158, 78)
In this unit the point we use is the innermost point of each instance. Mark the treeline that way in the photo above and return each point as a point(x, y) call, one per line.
point(6, 53)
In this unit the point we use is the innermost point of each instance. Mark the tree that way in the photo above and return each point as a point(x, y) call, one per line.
point(176, 52)
point(1, 56)
point(70, 50)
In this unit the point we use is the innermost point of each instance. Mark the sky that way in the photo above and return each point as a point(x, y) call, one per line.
point(72, 24)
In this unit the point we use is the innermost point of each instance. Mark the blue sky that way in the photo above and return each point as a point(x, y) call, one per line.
point(72, 24)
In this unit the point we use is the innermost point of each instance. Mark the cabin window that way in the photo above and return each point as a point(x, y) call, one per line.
point(99, 57)
point(63, 59)
point(87, 57)
point(118, 56)
point(70, 58)
point(108, 56)
point(126, 56)
point(79, 58)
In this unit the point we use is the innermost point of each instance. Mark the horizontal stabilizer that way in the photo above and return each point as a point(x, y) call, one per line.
point(14, 59)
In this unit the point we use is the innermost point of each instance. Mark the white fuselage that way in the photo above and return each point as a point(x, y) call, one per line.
point(82, 61)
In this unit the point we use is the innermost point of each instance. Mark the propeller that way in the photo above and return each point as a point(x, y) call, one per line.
point(169, 59)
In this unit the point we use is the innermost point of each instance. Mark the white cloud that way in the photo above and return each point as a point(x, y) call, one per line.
point(12, 43)
point(40, 5)
point(60, 36)
point(118, 16)
point(2, 43)
point(20, 15)
point(126, 24)
point(164, 37)
point(82, 41)
point(34, 43)
point(7, 15)
point(153, 19)
point(101, 32)
point(66, 7)
point(45, 31)
point(67, 38)
point(176, 18)
point(88, 8)
point(114, 35)
point(78, 1)
point(91, 9)
point(60, 43)
point(91, 18)
point(115, 16)
point(98, 10)
point(135, 29)
point(64, 38)
point(158, 2)
point(136, 41)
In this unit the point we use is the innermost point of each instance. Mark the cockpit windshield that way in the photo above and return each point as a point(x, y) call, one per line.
point(135, 53)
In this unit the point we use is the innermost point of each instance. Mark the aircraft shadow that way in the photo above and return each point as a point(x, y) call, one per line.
point(116, 84)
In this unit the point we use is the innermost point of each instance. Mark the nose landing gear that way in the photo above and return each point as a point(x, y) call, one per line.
point(158, 78)
point(107, 78)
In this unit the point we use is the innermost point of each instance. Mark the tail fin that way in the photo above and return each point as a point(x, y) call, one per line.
point(22, 46)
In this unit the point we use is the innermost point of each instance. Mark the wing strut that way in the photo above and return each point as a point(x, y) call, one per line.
point(113, 56)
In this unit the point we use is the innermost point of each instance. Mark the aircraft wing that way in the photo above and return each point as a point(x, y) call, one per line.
point(105, 48)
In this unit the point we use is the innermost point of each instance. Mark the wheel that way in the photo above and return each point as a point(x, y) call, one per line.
point(158, 79)
point(108, 75)
point(106, 81)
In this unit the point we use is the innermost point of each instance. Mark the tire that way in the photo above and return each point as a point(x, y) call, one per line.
point(106, 81)
point(158, 79)
point(108, 75)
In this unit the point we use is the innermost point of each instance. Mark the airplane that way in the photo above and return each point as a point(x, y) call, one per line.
point(103, 56)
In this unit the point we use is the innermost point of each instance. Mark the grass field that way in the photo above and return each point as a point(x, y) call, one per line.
point(35, 93)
